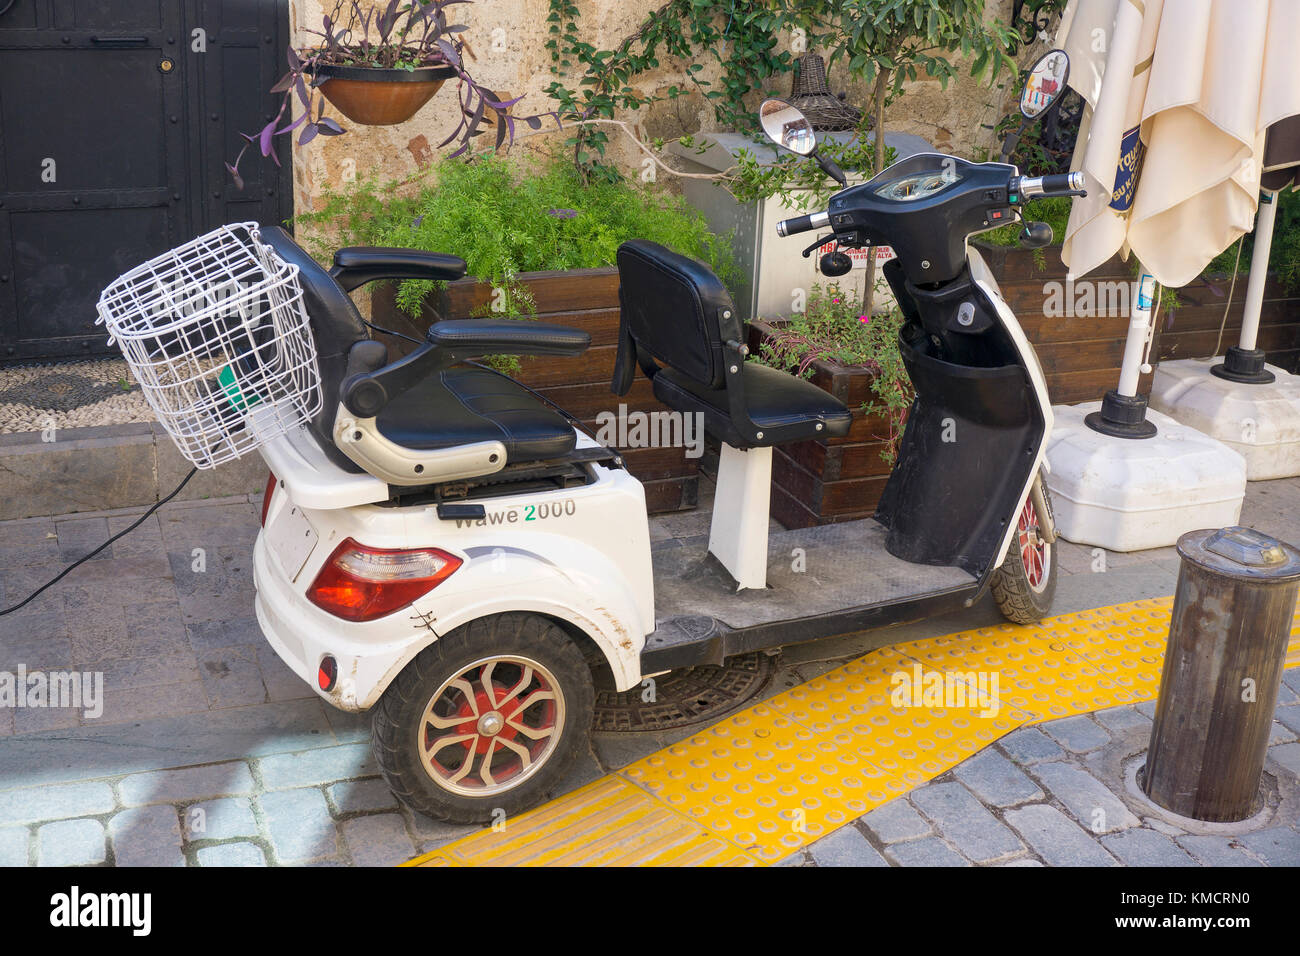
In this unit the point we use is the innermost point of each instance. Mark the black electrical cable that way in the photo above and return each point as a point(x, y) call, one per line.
point(64, 573)
point(383, 331)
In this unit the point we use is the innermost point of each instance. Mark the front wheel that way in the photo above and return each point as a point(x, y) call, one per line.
point(486, 720)
point(1023, 587)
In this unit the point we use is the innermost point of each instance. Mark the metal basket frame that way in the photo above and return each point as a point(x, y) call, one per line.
point(217, 334)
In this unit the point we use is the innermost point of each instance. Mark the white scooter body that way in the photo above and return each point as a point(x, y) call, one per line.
point(439, 548)
point(581, 556)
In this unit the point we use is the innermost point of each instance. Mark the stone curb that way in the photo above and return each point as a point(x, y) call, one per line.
point(107, 467)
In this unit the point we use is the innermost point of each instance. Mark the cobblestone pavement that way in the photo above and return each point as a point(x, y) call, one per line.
point(100, 391)
point(1061, 793)
point(210, 752)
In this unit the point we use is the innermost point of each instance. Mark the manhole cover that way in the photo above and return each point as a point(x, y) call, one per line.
point(685, 697)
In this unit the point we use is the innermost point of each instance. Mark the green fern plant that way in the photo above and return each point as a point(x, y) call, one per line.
point(504, 220)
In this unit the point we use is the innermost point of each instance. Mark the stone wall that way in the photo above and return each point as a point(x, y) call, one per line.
point(508, 36)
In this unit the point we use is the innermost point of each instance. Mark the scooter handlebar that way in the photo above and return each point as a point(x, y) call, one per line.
point(791, 227)
point(1058, 184)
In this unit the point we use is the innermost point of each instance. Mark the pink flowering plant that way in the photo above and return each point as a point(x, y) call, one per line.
point(835, 328)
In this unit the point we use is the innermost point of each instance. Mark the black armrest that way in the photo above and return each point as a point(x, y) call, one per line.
point(357, 265)
point(366, 392)
point(474, 337)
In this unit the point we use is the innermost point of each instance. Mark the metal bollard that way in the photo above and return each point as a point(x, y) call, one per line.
point(1223, 668)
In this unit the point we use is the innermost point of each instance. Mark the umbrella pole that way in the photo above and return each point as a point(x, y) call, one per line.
point(1244, 362)
point(1130, 367)
point(1123, 412)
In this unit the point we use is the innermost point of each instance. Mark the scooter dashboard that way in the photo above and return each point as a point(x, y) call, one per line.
point(915, 187)
point(924, 207)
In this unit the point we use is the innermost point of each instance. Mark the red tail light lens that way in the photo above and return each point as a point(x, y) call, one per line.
point(328, 673)
point(266, 499)
point(359, 583)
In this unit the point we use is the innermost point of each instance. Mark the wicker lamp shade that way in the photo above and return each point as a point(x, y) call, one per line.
point(811, 94)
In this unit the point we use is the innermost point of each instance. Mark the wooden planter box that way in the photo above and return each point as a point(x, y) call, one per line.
point(830, 479)
point(1081, 355)
point(820, 482)
point(585, 299)
point(1194, 327)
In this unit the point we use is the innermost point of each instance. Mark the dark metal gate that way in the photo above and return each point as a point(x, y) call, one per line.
point(116, 117)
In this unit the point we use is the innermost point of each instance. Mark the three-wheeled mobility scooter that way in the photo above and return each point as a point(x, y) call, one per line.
point(445, 550)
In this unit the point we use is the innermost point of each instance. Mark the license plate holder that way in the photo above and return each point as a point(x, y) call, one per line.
point(292, 540)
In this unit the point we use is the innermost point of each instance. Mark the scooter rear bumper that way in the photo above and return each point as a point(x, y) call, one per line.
point(302, 635)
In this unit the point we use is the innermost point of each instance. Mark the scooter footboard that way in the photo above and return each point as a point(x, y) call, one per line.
point(972, 440)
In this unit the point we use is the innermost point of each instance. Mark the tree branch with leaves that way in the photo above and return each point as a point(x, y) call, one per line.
point(888, 43)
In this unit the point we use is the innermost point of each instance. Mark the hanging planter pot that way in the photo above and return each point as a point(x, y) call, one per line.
point(366, 32)
point(377, 97)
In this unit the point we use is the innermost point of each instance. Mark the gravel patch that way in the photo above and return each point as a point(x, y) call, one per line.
point(70, 395)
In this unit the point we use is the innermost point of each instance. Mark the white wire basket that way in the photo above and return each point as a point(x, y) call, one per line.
point(217, 335)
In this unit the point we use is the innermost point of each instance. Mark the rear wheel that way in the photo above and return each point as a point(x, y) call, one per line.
point(1023, 587)
point(485, 720)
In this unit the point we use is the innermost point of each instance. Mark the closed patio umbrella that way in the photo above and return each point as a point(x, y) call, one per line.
point(1251, 406)
point(1244, 362)
point(1180, 95)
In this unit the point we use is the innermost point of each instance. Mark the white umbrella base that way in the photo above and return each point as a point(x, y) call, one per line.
point(1259, 422)
point(1126, 494)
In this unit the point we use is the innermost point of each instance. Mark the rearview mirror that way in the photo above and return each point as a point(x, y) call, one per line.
point(1045, 83)
point(787, 127)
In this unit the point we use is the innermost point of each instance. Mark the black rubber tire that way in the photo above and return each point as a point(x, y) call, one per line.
point(397, 715)
point(1015, 597)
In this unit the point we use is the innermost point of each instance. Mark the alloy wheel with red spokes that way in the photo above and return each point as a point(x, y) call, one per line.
point(1025, 584)
point(491, 726)
point(1035, 553)
point(485, 720)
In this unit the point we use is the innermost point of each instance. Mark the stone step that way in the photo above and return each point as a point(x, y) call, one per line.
point(104, 467)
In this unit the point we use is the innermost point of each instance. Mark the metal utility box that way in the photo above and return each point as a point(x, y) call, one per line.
point(772, 267)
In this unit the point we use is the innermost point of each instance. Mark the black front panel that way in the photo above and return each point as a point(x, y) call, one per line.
point(972, 438)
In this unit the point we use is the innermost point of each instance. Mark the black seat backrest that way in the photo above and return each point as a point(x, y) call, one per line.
point(676, 311)
point(336, 326)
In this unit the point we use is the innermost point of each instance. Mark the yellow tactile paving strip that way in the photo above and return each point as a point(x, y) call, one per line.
point(777, 776)
point(1293, 649)
point(606, 823)
point(1071, 664)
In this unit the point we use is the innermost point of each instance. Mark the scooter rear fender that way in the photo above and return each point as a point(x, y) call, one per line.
point(580, 556)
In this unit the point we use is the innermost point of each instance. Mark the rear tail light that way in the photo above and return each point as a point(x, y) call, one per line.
point(359, 583)
point(266, 500)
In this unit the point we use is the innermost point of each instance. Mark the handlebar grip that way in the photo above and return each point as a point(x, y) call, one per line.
point(1062, 182)
point(791, 227)
point(1057, 184)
